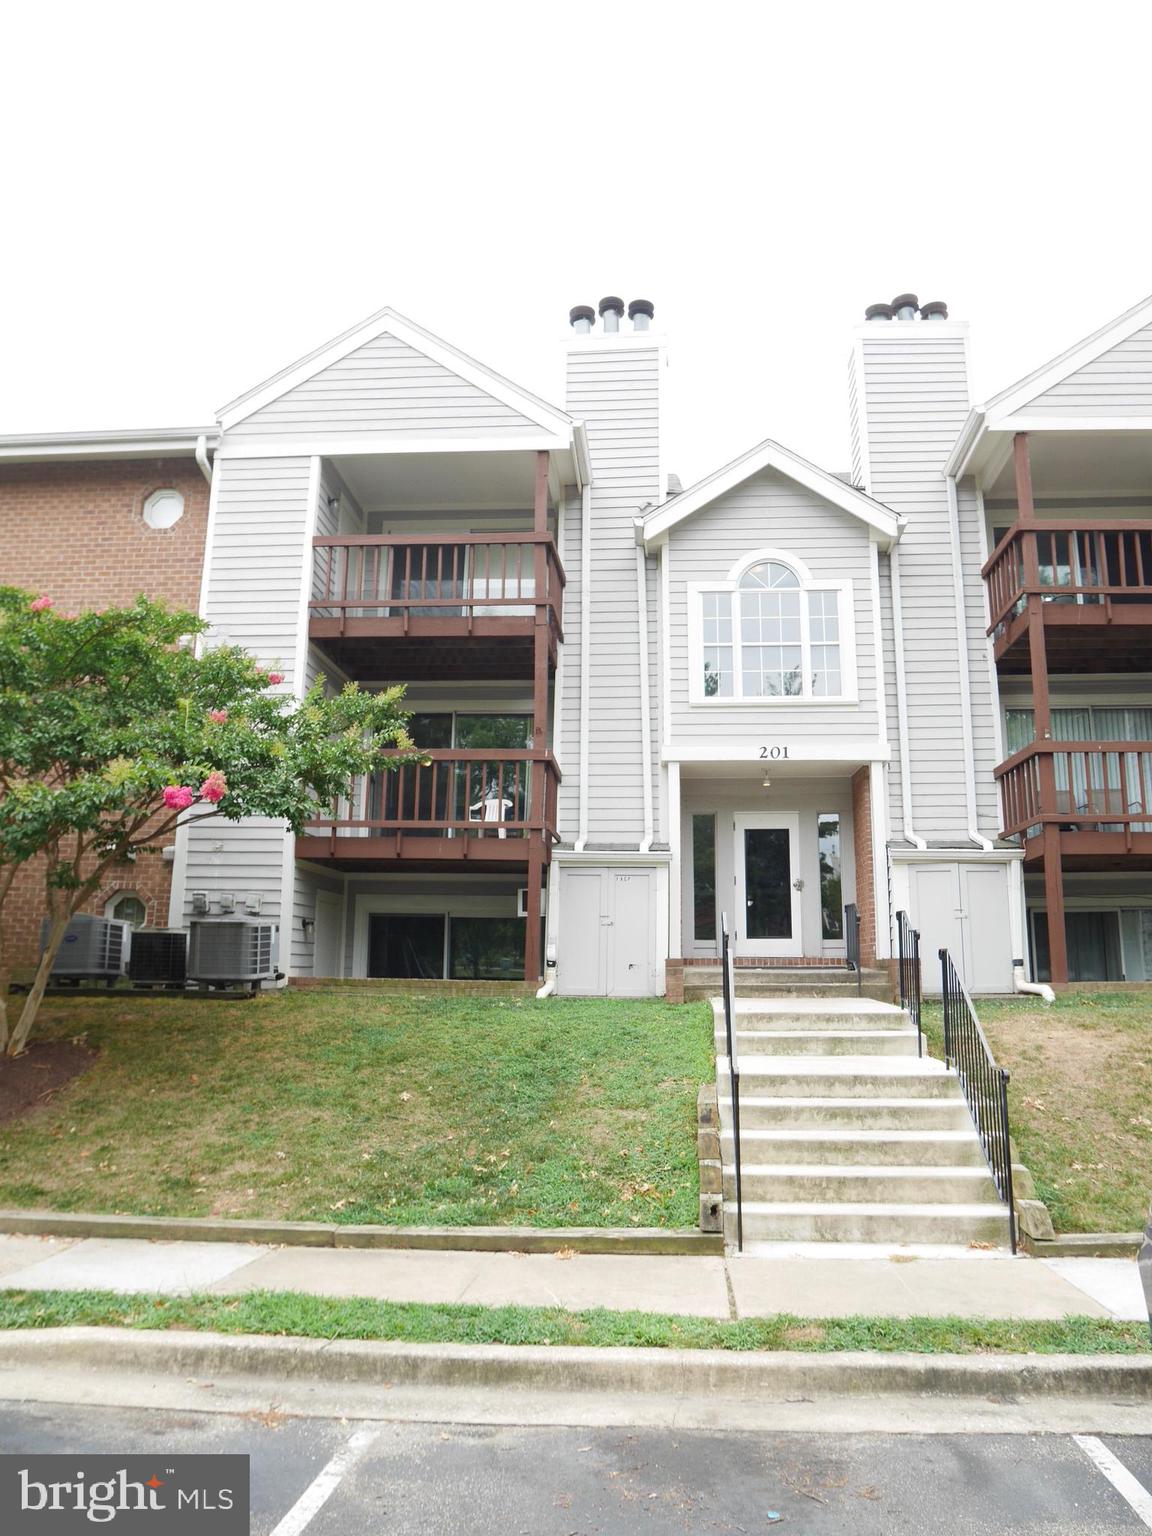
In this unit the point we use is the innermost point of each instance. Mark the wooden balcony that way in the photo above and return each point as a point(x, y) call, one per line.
point(447, 605)
point(486, 809)
point(1092, 586)
point(1097, 795)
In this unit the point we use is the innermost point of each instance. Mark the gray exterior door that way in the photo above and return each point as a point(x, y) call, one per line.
point(963, 908)
point(606, 933)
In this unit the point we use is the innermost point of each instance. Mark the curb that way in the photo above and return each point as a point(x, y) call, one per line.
point(571, 1370)
point(317, 1234)
point(1086, 1245)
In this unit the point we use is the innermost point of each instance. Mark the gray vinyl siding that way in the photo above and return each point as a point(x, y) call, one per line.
point(303, 946)
point(568, 679)
point(770, 511)
point(614, 390)
point(1117, 383)
point(981, 685)
point(245, 858)
point(914, 403)
point(384, 388)
point(256, 570)
point(888, 642)
point(258, 558)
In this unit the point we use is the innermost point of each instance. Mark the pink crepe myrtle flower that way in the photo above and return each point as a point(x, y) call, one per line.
point(217, 716)
point(275, 677)
point(214, 787)
point(41, 604)
point(178, 797)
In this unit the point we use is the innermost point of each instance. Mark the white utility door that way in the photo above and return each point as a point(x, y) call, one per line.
point(768, 885)
point(326, 952)
point(606, 937)
point(963, 908)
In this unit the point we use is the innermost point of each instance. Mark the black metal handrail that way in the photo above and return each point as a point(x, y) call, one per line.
point(984, 1084)
point(852, 943)
point(911, 991)
point(728, 979)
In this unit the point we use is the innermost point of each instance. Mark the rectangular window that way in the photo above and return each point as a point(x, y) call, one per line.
point(486, 949)
point(831, 887)
point(824, 635)
point(717, 638)
point(704, 879)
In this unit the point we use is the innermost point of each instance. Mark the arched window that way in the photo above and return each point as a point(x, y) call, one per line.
point(772, 633)
point(126, 908)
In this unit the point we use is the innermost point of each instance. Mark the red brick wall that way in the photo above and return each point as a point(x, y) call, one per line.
point(862, 847)
point(75, 533)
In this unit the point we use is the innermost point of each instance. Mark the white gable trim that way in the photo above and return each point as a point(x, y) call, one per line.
point(771, 455)
point(388, 322)
point(1087, 351)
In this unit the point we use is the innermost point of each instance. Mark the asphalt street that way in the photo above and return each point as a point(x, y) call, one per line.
point(439, 1480)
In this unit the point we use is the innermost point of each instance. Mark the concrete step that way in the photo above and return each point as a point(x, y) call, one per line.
point(817, 1013)
point(851, 1222)
point(701, 981)
point(827, 1042)
point(880, 1115)
point(863, 1184)
point(888, 1148)
point(840, 1077)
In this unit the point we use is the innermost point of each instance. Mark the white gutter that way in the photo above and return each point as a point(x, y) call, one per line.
point(202, 457)
point(970, 432)
point(585, 656)
point(548, 988)
point(148, 442)
point(966, 730)
point(902, 701)
point(645, 697)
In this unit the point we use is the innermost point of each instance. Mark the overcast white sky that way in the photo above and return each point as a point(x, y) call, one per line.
point(194, 196)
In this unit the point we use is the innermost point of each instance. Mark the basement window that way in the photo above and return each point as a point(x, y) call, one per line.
point(163, 509)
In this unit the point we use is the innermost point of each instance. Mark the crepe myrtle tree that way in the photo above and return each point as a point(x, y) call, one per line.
point(113, 732)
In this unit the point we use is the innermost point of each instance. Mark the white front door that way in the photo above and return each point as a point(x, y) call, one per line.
point(326, 954)
point(767, 918)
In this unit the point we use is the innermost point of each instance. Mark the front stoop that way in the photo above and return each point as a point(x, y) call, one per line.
point(698, 983)
point(846, 1133)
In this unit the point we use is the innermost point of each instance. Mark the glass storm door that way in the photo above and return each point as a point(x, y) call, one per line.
point(767, 892)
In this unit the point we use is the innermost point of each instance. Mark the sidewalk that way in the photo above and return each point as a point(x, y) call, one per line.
point(807, 1280)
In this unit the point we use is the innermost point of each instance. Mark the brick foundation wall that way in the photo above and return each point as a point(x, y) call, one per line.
point(75, 532)
point(862, 848)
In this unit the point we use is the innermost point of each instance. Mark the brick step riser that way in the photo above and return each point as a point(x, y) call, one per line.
point(888, 1154)
point(835, 1227)
point(824, 1186)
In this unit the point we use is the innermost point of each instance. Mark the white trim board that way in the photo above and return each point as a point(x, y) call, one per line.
point(389, 322)
point(769, 455)
point(351, 446)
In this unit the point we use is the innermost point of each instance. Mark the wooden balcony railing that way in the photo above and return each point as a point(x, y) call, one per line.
point(1101, 563)
point(485, 803)
point(447, 582)
point(1082, 786)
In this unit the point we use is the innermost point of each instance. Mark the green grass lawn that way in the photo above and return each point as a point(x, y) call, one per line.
point(288, 1314)
point(360, 1107)
point(1080, 1100)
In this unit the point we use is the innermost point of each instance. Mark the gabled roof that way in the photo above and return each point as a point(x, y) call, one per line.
point(1086, 351)
point(389, 321)
point(770, 455)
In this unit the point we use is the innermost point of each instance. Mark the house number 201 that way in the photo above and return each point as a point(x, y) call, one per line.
point(775, 753)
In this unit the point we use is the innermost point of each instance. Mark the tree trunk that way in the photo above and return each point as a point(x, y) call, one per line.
point(6, 880)
point(19, 1036)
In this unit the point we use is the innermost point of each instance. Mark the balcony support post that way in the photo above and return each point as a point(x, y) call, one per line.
point(540, 632)
point(1041, 710)
point(532, 920)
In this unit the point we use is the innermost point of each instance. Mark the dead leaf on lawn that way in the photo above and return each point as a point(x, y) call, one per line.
point(565, 1253)
point(405, 1096)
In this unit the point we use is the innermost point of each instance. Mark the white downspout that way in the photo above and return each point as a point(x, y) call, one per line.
point(902, 702)
point(585, 657)
point(965, 677)
point(202, 458)
point(1037, 988)
point(645, 697)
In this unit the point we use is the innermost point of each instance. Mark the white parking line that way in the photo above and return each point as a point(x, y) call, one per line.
point(1127, 1486)
point(318, 1492)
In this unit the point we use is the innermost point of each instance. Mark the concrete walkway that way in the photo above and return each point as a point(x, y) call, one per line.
point(809, 1280)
